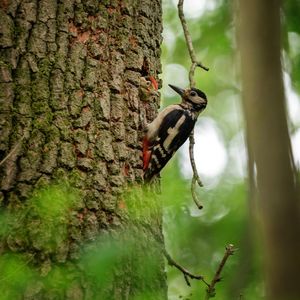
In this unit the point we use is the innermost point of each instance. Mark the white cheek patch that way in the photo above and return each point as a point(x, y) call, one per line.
point(172, 132)
point(197, 100)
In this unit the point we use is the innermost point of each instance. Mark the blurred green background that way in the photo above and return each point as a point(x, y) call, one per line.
point(197, 239)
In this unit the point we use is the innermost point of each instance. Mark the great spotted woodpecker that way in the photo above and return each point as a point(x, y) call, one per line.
point(170, 129)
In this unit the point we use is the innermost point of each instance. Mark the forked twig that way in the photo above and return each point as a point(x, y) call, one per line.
point(194, 64)
point(210, 292)
point(187, 275)
point(189, 43)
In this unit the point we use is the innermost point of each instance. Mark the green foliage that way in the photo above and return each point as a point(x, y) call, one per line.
point(118, 256)
point(42, 229)
point(15, 275)
point(42, 222)
point(38, 226)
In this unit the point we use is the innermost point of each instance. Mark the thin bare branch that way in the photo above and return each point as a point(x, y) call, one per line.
point(194, 65)
point(194, 194)
point(187, 275)
point(189, 43)
point(210, 292)
point(196, 178)
point(192, 160)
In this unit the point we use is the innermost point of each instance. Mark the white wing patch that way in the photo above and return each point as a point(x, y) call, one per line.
point(172, 132)
point(153, 127)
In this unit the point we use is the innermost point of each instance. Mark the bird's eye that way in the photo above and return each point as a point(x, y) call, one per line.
point(148, 83)
point(193, 93)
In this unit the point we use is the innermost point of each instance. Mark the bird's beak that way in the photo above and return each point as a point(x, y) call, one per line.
point(177, 89)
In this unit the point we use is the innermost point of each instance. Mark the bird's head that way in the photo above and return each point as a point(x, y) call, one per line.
point(193, 96)
point(148, 87)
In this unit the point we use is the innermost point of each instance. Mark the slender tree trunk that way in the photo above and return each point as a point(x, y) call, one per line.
point(269, 145)
point(71, 112)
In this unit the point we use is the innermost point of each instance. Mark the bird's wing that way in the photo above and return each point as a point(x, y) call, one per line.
point(175, 127)
point(152, 133)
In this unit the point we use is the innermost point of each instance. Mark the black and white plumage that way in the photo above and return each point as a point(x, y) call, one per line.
point(170, 129)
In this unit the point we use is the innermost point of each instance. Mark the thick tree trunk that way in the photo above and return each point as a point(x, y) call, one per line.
point(71, 112)
point(269, 145)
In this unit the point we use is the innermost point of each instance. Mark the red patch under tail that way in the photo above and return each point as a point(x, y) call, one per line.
point(146, 154)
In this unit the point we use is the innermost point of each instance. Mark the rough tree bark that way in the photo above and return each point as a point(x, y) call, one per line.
point(70, 111)
point(269, 145)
